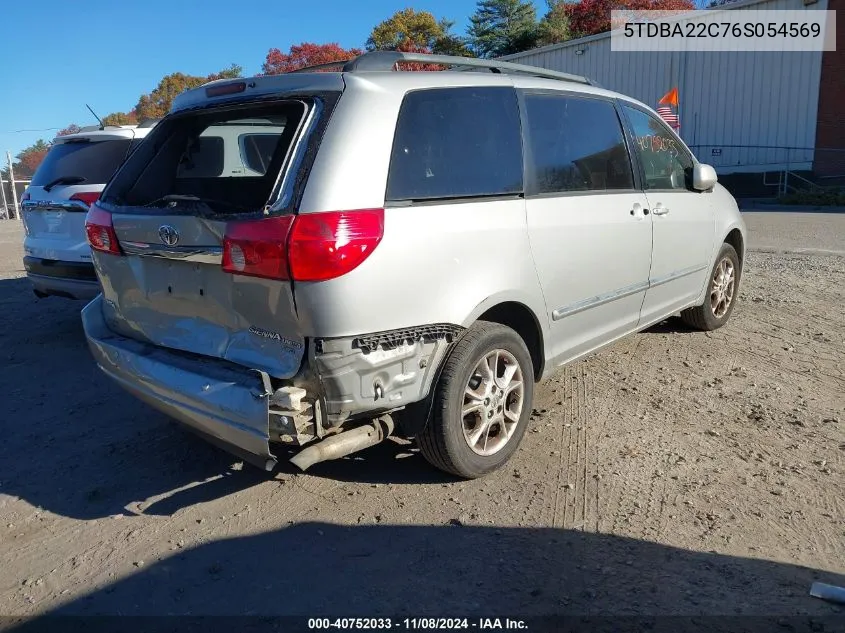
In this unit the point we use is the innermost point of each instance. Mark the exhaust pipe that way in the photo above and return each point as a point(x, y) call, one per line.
point(345, 443)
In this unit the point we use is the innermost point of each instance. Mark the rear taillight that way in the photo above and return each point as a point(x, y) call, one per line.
point(25, 197)
point(306, 247)
point(257, 248)
point(327, 245)
point(100, 231)
point(89, 197)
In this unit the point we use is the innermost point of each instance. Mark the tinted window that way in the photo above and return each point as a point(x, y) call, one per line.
point(456, 142)
point(257, 150)
point(665, 162)
point(198, 154)
point(576, 144)
point(95, 161)
point(202, 159)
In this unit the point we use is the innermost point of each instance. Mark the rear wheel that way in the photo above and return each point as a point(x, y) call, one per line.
point(722, 291)
point(481, 403)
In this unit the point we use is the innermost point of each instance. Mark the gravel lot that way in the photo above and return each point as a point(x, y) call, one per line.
point(675, 472)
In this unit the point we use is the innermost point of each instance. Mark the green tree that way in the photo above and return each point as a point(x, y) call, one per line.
point(417, 31)
point(554, 27)
point(448, 43)
point(502, 27)
point(156, 104)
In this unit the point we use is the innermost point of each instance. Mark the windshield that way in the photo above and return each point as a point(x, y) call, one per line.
point(93, 161)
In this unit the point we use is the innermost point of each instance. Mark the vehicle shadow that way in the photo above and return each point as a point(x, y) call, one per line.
point(325, 570)
point(77, 445)
point(672, 325)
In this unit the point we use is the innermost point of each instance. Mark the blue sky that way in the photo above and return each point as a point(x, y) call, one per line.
point(66, 54)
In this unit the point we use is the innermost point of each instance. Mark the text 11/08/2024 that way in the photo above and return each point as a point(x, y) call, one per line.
point(415, 624)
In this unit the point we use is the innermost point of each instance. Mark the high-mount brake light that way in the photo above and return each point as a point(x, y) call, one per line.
point(225, 89)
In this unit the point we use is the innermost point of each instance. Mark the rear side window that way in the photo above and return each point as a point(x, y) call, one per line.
point(576, 144)
point(456, 142)
point(204, 160)
point(207, 155)
point(95, 161)
point(257, 150)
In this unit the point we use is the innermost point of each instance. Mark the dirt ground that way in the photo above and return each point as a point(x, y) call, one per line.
point(675, 472)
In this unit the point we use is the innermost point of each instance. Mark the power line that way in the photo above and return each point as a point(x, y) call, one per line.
point(44, 129)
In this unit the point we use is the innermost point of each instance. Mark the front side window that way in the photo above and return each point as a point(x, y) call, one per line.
point(456, 143)
point(665, 162)
point(576, 144)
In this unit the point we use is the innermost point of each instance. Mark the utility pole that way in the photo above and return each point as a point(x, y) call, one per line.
point(14, 192)
point(3, 196)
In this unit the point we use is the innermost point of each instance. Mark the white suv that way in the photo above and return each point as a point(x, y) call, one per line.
point(74, 172)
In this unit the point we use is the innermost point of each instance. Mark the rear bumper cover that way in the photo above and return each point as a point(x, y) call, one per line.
point(76, 280)
point(227, 406)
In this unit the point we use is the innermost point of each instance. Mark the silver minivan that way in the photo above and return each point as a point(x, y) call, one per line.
point(405, 253)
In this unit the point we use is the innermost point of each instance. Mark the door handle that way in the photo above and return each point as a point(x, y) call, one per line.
point(659, 209)
point(639, 211)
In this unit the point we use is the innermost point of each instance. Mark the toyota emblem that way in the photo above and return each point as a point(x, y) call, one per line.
point(168, 235)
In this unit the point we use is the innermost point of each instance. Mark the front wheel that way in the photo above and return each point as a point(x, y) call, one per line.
point(482, 402)
point(722, 291)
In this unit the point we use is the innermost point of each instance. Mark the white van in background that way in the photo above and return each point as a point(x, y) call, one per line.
point(78, 166)
point(57, 258)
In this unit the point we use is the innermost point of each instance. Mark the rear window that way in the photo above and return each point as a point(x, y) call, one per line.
point(95, 161)
point(228, 159)
point(455, 143)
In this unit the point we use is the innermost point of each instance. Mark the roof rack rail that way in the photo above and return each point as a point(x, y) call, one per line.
point(387, 60)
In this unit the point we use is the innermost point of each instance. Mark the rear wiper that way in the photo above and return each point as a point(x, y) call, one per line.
point(173, 198)
point(64, 180)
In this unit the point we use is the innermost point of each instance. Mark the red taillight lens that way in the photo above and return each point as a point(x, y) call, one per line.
point(257, 248)
point(89, 197)
point(327, 245)
point(100, 231)
point(307, 247)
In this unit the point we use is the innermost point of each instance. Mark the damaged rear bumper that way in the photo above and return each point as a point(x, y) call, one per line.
point(227, 406)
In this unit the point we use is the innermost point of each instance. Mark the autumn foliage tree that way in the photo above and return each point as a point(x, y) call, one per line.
point(28, 159)
point(156, 104)
point(73, 128)
point(120, 118)
point(589, 17)
point(305, 54)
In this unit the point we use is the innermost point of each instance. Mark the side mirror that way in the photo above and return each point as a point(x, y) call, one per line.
point(703, 177)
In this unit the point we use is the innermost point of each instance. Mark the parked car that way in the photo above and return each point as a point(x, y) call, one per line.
point(410, 254)
point(57, 256)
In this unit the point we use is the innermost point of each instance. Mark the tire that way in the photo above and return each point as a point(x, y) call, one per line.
point(445, 440)
point(708, 316)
